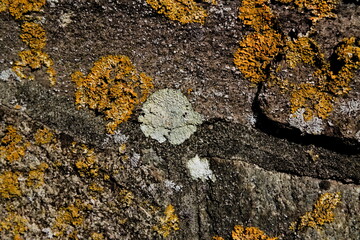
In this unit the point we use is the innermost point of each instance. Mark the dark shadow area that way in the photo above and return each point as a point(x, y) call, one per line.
point(278, 130)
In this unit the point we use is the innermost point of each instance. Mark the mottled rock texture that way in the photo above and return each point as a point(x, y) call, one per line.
point(64, 176)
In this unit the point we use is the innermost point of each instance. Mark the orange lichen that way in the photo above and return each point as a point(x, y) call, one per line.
point(257, 14)
point(70, 218)
point(4, 5)
point(34, 60)
point(35, 178)
point(113, 87)
point(12, 145)
point(33, 35)
point(126, 198)
point(18, 8)
point(314, 101)
point(322, 213)
point(319, 8)
point(14, 224)
point(94, 187)
point(184, 11)
point(318, 97)
point(256, 52)
point(87, 165)
point(43, 136)
point(249, 233)
point(97, 236)
point(9, 185)
point(217, 238)
point(303, 50)
point(168, 223)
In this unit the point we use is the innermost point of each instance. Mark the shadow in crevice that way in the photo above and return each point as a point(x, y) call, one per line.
point(292, 134)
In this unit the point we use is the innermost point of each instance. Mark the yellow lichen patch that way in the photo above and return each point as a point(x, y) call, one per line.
point(33, 35)
point(217, 238)
point(257, 14)
point(348, 53)
point(14, 224)
point(9, 185)
point(126, 198)
point(34, 60)
point(314, 101)
point(318, 98)
point(113, 87)
point(303, 50)
point(43, 136)
point(168, 223)
point(322, 213)
point(256, 52)
point(69, 219)
point(319, 8)
point(4, 4)
point(94, 187)
point(97, 236)
point(18, 8)
point(12, 145)
point(250, 233)
point(35, 178)
point(184, 11)
point(87, 164)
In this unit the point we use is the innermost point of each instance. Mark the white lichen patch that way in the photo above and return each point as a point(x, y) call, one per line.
point(314, 126)
point(200, 169)
point(168, 115)
point(7, 74)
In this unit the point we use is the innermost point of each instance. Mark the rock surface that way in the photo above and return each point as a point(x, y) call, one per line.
point(64, 176)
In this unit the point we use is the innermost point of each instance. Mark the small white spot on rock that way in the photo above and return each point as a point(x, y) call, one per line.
point(168, 115)
point(7, 74)
point(200, 169)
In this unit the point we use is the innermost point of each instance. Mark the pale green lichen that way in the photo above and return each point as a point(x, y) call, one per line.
point(168, 115)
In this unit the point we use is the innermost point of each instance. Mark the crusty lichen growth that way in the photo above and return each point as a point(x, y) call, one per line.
point(13, 146)
point(257, 14)
point(317, 98)
point(217, 238)
point(184, 11)
point(34, 60)
point(256, 52)
point(19, 8)
point(97, 236)
point(9, 185)
point(86, 164)
point(126, 198)
point(322, 213)
point(250, 233)
point(33, 35)
point(14, 224)
point(319, 8)
point(113, 87)
point(35, 177)
point(168, 223)
point(44, 136)
point(247, 233)
point(69, 219)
